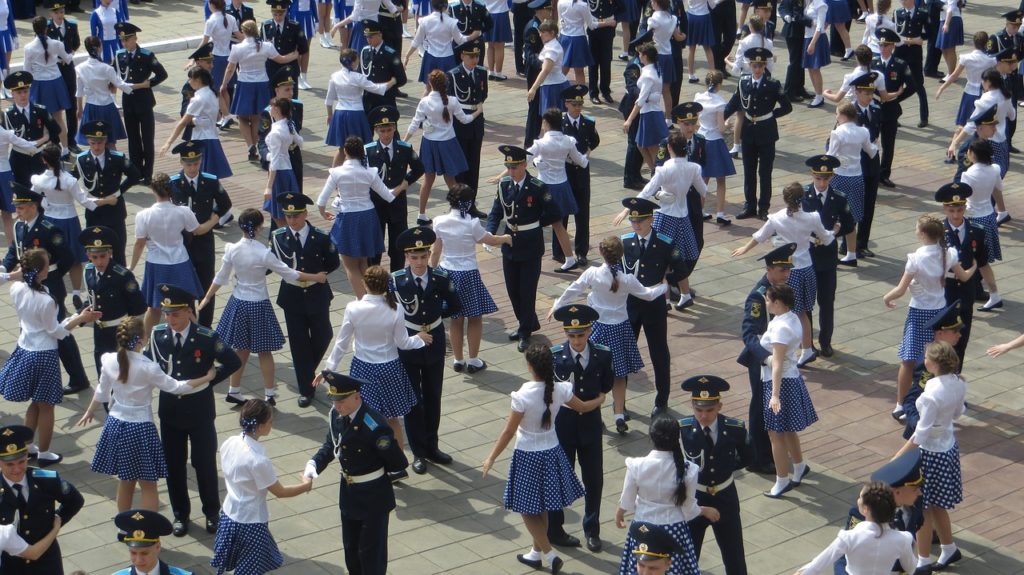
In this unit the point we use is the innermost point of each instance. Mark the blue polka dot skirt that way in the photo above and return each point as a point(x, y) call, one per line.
point(680, 230)
point(472, 293)
point(853, 187)
point(805, 288)
point(943, 487)
point(389, 391)
point(32, 375)
point(995, 251)
point(71, 228)
point(619, 338)
point(358, 234)
point(797, 411)
point(1001, 156)
point(915, 335)
point(131, 450)
point(245, 548)
point(541, 481)
point(250, 325)
point(684, 563)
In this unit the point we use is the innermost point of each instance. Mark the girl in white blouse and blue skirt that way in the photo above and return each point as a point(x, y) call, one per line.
point(665, 27)
point(718, 162)
point(201, 113)
point(248, 323)
point(93, 79)
point(101, 25)
point(986, 188)
point(648, 107)
point(816, 48)
point(8, 38)
point(345, 114)
point(700, 31)
point(129, 446)
point(435, 35)
point(575, 18)
point(281, 176)
point(951, 32)
point(551, 81)
point(540, 478)
point(221, 30)
point(847, 143)
point(48, 87)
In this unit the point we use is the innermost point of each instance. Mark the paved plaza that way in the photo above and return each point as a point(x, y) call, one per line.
point(451, 520)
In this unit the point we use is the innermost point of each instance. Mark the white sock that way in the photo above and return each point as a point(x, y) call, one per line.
point(683, 298)
point(551, 556)
point(947, 552)
point(798, 469)
point(533, 555)
point(270, 392)
point(235, 390)
point(898, 408)
point(33, 448)
point(850, 256)
point(1001, 215)
point(806, 354)
point(692, 77)
point(922, 561)
point(458, 362)
point(53, 456)
point(720, 214)
point(780, 484)
point(993, 298)
point(569, 262)
point(76, 292)
point(421, 216)
point(620, 416)
point(476, 362)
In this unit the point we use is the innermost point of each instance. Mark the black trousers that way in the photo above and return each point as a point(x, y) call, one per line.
point(140, 125)
point(471, 140)
point(826, 279)
point(201, 253)
point(652, 318)
point(914, 57)
point(600, 74)
point(934, 55)
point(592, 474)
point(521, 16)
point(391, 32)
point(891, 113)
point(203, 438)
point(579, 180)
point(309, 335)
point(871, 168)
point(723, 18)
point(728, 530)
point(422, 422)
point(965, 292)
point(366, 544)
point(24, 167)
point(634, 159)
point(104, 340)
point(758, 162)
point(521, 279)
point(677, 58)
point(532, 115)
point(393, 218)
point(67, 348)
point(760, 445)
point(795, 70)
point(67, 73)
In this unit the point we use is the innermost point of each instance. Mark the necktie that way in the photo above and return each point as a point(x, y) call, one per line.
point(960, 235)
point(345, 422)
point(578, 370)
point(821, 198)
point(298, 241)
point(99, 161)
point(24, 114)
point(20, 229)
point(279, 29)
point(20, 496)
point(707, 435)
point(391, 154)
point(689, 148)
point(191, 186)
point(643, 246)
point(419, 285)
point(177, 344)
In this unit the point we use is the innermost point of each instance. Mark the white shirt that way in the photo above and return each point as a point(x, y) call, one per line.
point(664, 26)
point(610, 306)
point(752, 40)
point(550, 153)
point(353, 182)
point(873, 22)
point(37, 315)
point(858, 71)
point(797, 228)
point(7, 139)
point(93, 80)
point(498, 7)
point(952, 10)
point(107, 16)
point(553, 51)
point(529, 400)
point(248, 474)
point(675, 176)
point(975, 63)
point(712, 105)
point(815, 11)
point(984, 179)
point(699, 7)
point(927, 289)
point(204, 107)
point(430, 109)
point(649, 85)
point(378, 331)
point(939, 405)
point(784, 329)
point(133, 399)
point(436, 32)
point(60, 204)
point(279, 140)
point(846, 142)
point(368, 9)
point(345, 90)
point(649, 489)
point(252, 63)
point(575, 18)
point(869, 550)
point(1004, 110)
point(459, 237)
point(220, 34)
point(10, 542)
point(161, 225)
point(5, 12)
point(250, 260)
point(37, 64)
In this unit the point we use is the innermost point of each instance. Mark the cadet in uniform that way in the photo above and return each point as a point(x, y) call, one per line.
point(283, 86)
point(362, 441)
point(761, 101)
point(399, 166)
point(113, 290)
point(380, 62)
point(526, 206)
point(1010, 38)
point(777, 262)
point(427, 296)
point(601, 40)
point(532, 45)
point(29, 121)
point(205, 196)
point(969, 240)
point(468, 83)
point(631, 178)
point(869, 115)
point(101, 173)
point(285, 34)
point(144, 529)
point(31, 498)
point(137, 65)
point(472, 16)
point(717, 445)
point(202, 57)
point(911, 25)
point(792, 13)
point(185, 350)
point(306, 305)
point(654, 547)
point(898, 78)
point(65, 31)
point(589, 367)
point(582, 127)
point(832, 208)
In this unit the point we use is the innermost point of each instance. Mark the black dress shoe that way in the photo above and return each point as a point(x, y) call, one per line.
point(595, 99)
point(608, 97)
point(658, 410)
point(808, 95)
point(1013, 150)
point(270, 399)
point(633, 185)
point(459, 367)
point(220, 226)
point(76, 301)
point(826, 350)
point(1001, 221)
point(746, 215)
point(865, 253)
point(401, 94)
point(523, 344)
point(419, 467)
point(762, 215)
point(212, 524)
point(953, 559)
point(75, 388)
point(513, 336)
point(797, 98)
point(74, 149)
point(556, 566)
point(787, 488)
point(997, 305)
point(621, 427)
point(180, 527)
point(625, 415)
point(438, 456)
point(887, 183)
point(234, 399)
point(813, 356)
point(535, 563)
point(564, 270)
point(305, 401)
point(394, 476)
point(566, 541)
point(594, 543)
point(723, 221)
point(471, 369)
point(848, 263)
point(922, 124)
point(924, 570)
point(684, 305)
point(796, 481)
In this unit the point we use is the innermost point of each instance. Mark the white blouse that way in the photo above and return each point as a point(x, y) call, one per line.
point(459, 237)
point(752, 40)
point(712, 104)
point(250, 259)
point(550, 153)
point(378, 331)
point(952, 10)
point(279, 140)
point(252, 62)
point(7, 139)
point(939, 405)
point(204, 108)
point(431, 110)
point(529, 400)
point(353, 182)
point(497, 7)
point(248, 475)
point(676, 176)
point(345, 90)
point(368, 9)
point(664, 26)
point(984, 180)
point(798, 229)
point(872, 23)
point(107, 17)
point(927, 289)
point(94, 78)
point(60, 204)
point(815, 11)
point(846, 142)
point(975, 63)
point(784, 329)
point(610, 306)
point(858, 71)
point(436, 32)
point(649, 84)
point(649, 489)
point(38, 65)
point(869, 550)
point(220, 34)
point(133, 399)
point(553, 51)
point(37, 315)
point(699, 7)
point(1004, 110)
point(575, 18)
point(161, 225)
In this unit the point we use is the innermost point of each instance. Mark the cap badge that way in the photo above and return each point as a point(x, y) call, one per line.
point(11, 448)
point(138, 517)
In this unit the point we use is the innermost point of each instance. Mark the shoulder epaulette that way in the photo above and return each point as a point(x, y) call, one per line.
point(317, 230)
point(175, 177)
point(83, 154)
point(370, 421)
point(733, 422)
point(388, 49)
point(208, 175)
point(280, 230)
point(205, 331)
point(44, 473)
point(601, 347)
point(116, 153)
point(120, 270)
point(977, 226)
point(90, 266)
point(369, 146)
point(591, 118)
point(177, 571)
point(665, 238)
point(628, 236)
point(398, 274)
point(762, 290)
point(125, 571)
point(535, 180)
point(506, 178)
point(402, 143)
point(160, 326)
point(557, 348)
point(121, 51)
point(839, 193)
point(689, 420)
point(441, 272)
point(71, 21)
point(143, 50)
point(46, 224)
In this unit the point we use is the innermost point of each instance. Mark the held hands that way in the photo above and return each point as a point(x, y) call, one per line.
point(88, 316)
point(426, 337)
point(711, 514)
point(775, 404)
point(307, 482)
point(318, 380)
point(200, 381)
point(310, 471)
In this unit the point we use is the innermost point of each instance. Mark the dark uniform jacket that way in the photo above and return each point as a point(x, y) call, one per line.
point(317, 254)
point(47, 236)
point(533, 203)
point(404, 164)
point(795, 10)
point(717, 463)
point(163, 569)
point(291, 38)
point(836, 209)
point(576, 428)
point(908, 26)
point(137, 69)
point(118, 175)
point(437, 301)
point(532, 45)
point(660, 261)
point(34, 127)
point(972, 249)
point(70, 38)
point(384, 64)
point(472, 17)
point(48, 496)
point(896, 74)
point(630, 75)
point(755, 323)
point(115, 292)
point(762, 107)
point(365, 445)
point(206, 199)
point(586, 135)
point(870, 118)
point(241, 15)
point(469, 86)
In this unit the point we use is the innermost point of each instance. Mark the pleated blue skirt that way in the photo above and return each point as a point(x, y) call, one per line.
point(220, 65)
point(629, 11)
point(838, 12)
point(358, 234)
point(389, 390)
point(915, 335)
point(307, 19)
point(181, 275)
point(684, 562)
point(50, 93)
point(718, 162)
point(250, 325)
point(953, 38)
point(345, 123)
point(667, 67)
point(540, 481)
point(431, 62)
point(245, 548)
point(70, 227)
point(32, 376)
point(6, 192)
point(619, 338)
point(356, 39)
point(821, 56)
point(963, 113)
point(442, 157)
point(214, 161)
point(575, 51)
point(130, 450)
point(250, 98)
point(109, 115)
point(551, 96)
point(797, 411)
point(652, 129)
point(284, 182)
point(563, 197)
point(502, 29)
point(699, 30)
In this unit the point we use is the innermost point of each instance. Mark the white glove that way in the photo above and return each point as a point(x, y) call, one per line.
point(310, 471)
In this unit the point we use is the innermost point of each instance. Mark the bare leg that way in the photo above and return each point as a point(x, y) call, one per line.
point(581, 75)
point(949, 55)
point(354, 268)
point(304, 63)
point(844, 35)
point(619, 395)
point(627, 37)
point(247, 127)
point(8, 221)
point(396, 427)
point(903, 380)
point(236, 378)
point(563, 238)
point(691, 57)
point(923, 538)
point(537, 525)
point(990, 278)
point(940, 521)
point(780, 454)
point(475, 331)
point(267, 369)
point(428, 183)
point(710, 56)
point(496, 52)
point(720, 195)
point(59, 117)
point(649, 153)
point(792, 441)
point(150, 498)
point(666, 99)
point(805, 322)
point(125, 493)
point(456, 330)
point(76, 276)
point(816, 82)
